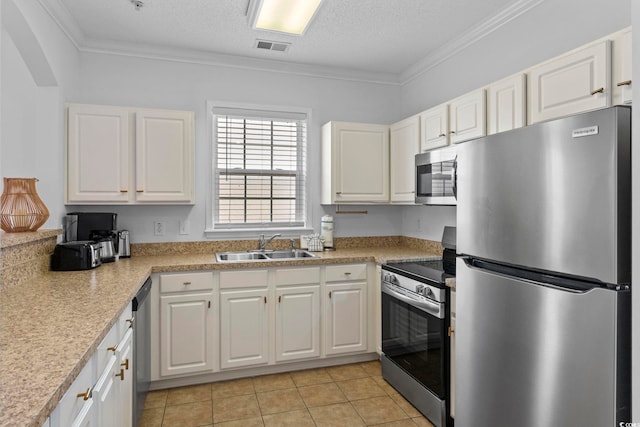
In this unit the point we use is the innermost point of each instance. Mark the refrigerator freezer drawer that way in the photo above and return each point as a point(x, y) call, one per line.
point(533, 355)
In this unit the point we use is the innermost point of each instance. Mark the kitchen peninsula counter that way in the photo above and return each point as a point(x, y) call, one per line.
point(51, 324)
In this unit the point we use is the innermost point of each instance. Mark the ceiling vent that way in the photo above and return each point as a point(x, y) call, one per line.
point(269, 45)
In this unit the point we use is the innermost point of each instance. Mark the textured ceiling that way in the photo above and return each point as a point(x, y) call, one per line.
point(372, 36)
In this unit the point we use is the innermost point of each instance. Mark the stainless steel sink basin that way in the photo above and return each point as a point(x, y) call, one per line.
point(297, 253)
point(263, 256)
point(240, 256)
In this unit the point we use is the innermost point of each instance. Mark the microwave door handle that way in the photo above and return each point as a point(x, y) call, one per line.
point(454, 178)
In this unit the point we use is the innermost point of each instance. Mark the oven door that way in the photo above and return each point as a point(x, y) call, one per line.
point(414, 338)
point(436, 177)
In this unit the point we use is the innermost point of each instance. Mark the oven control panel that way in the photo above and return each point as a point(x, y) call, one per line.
point(426, 290)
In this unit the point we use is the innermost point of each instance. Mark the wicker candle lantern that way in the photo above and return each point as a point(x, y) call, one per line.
point(21, 209)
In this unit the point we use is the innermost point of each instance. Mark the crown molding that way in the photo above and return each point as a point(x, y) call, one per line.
point(467, 39)
point(67, 23)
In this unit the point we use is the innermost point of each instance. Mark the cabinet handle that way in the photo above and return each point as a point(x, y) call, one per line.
point(347, 273)
point(124, 191)
point(113, 348)
point(441, 135)
point(265, 300)
point(624, 83)
point(330, 294)
point(125, 364)
point(338, 192)
point(601, 90)
point(450, 331)
point(279, 298)
point(186, 283)
point(86, 395)
point(139, 191)
point(130, 321)
point(209, 305)
point(453, 131)
point(121, 375)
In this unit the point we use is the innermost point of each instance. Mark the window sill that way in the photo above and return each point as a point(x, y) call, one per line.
point(255, 233)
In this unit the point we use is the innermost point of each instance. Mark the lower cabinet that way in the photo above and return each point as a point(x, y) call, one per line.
point(186, 323)
point(244, 328)
point(101, 395)
point(298, 323)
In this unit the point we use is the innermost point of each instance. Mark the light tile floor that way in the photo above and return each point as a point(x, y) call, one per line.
point(348, 395)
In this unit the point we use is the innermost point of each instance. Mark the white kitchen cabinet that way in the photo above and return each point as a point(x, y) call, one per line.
point(118, 155)
point(452, 353)
point(244, 328)
point(506, 104)
point(297, 331)
point(572, 83)
point(125, 369)
point(404, 144)
point(105, 394)
point(77, 407)
point(345, 301)
point(186, 324)
point(468, 116)
point(621, 67)
point(355, 163)
point(434, 128)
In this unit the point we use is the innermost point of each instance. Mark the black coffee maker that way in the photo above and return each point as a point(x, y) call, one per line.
point(99, 227)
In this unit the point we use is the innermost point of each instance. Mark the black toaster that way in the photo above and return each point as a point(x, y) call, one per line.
point(79, 255)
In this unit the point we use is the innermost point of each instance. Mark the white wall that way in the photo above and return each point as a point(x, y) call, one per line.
point(122, 80)
point(39, 71)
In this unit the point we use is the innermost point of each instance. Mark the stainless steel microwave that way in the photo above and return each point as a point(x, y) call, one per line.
point(436, 177)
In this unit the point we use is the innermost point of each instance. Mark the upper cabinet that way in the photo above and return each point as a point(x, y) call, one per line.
point(621, 67)
point(506, 104)
point(404, 145)
point(355, 163)
point(434, 128)
point(468, 116)
point(144, 156)
point(572, 83)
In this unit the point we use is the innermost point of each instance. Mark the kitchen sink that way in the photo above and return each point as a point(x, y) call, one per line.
point(290, 254)
point(263, 255)
point(240, 256)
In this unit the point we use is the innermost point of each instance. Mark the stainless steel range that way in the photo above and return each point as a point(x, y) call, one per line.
point(415, 343)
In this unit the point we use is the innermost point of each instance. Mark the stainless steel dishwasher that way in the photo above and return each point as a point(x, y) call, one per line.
point(141, 348)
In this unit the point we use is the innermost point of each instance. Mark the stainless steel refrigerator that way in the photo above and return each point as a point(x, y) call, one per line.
point(543, 276)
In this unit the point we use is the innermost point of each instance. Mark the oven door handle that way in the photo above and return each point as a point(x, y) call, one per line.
point(428, 307)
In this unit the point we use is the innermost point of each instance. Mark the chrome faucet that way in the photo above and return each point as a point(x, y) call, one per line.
point(262, 243)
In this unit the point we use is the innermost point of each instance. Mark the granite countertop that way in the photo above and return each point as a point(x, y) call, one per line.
point(52, 324)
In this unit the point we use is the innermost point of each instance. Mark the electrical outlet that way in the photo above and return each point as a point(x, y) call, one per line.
point(184, 227)
point(158, 228)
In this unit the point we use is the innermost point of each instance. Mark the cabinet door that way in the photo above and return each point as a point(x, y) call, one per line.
point(298, 323)
point(361, 163)
point(622, 87)
point(97, 154)
point(186, 333)
point(244, 328)
point(77, 406)
point(404, 144)
point(571, 83)
point(434, 128)
point(468, 116)
point(346, 318)
point(105, 394)
point(452, 354)
point(124, 380)
point(506, 104)
point(164, 156)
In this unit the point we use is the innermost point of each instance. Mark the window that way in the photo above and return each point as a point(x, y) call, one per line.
point(259, 169)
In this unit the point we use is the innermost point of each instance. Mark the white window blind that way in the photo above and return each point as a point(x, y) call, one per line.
point(259, 169)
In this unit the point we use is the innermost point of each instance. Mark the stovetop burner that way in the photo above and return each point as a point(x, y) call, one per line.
point(432, 271)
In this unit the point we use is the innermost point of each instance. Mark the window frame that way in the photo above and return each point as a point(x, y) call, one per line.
point(212, 191)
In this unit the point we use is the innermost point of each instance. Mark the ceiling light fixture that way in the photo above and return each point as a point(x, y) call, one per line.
point(285, 16)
